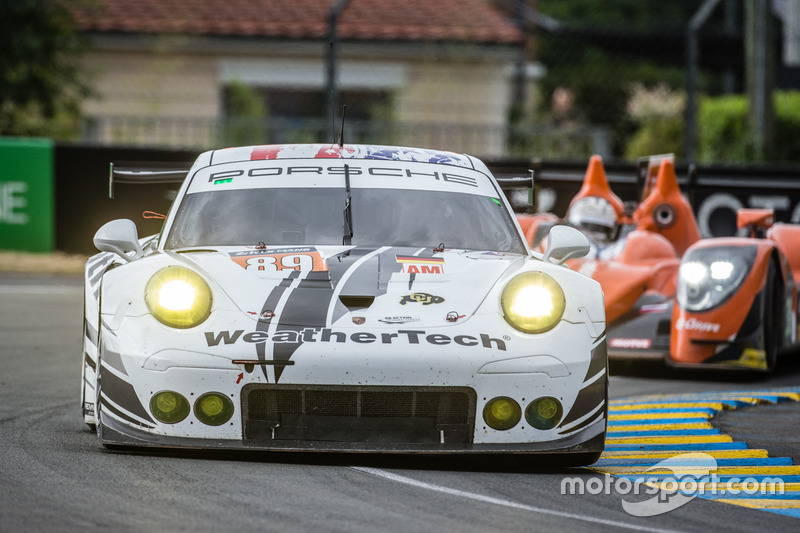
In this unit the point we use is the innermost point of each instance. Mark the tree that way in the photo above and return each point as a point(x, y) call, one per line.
point(41, 83)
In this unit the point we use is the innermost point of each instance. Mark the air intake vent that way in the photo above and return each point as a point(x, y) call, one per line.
point(364, 414)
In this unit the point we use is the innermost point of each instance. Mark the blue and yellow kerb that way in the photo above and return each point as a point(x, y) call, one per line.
point(644, 431)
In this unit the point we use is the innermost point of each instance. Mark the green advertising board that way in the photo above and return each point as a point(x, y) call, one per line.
point(26, 195)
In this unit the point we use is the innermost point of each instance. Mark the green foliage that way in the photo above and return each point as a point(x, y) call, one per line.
point(247, 116)
point(658, 113)
point(41, 84)
point(724, 134)
point(660, 135)
point(603, 48)
point(787, 126)
point(630, 14)
point(722, 129)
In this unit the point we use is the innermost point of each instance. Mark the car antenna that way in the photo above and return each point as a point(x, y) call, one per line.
point(340, 142)
point(347, 236)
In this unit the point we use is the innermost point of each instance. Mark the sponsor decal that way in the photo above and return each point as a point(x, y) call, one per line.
point(632, 344)
point(692, 324)
point(225, 177)
point(653, 308)
point(389, 172)
point(301, 259)
point(453, 316)
point(421, 297)
point(421, 265)
point(398, 319)
point(327, 335)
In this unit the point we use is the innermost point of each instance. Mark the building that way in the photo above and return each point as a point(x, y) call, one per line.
point(206, 73)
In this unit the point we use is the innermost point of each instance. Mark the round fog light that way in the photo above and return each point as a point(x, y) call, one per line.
point(213, 409)
point(169, 407)
point(502, 413)
point(544, 413)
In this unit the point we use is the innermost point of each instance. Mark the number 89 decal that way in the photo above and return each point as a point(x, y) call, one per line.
point(302, 261)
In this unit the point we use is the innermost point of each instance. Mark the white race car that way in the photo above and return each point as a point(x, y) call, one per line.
point(343, 298)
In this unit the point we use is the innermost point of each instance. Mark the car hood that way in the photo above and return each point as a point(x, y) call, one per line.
point(324, 286)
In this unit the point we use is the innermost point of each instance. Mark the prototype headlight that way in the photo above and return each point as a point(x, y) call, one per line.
point(709, 276)
point(533, 302)
point(178, 297)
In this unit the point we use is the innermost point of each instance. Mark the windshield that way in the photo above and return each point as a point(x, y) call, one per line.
point(315, 216)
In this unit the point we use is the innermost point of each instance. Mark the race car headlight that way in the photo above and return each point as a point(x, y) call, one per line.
point(213, 409)
point(709, 276)
point(502, 413)
point(544, 413)
point(169, 407)
point(178, 297)
point(533, 302)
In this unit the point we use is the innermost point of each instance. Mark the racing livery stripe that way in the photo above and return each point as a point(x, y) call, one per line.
point(114, 360)
point(588, 422)
point(89, 361)
point(309, 303)
point(108, 408)
point(271, 304)
point(90, 333)
point(122, 394)
point(599, 359)
point(636, 447)
point(594, 386)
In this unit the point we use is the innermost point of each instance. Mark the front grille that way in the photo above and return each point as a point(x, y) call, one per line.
point(358, 414)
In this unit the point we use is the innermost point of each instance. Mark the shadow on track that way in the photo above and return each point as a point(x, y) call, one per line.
point(457, 463)
point(788, 366)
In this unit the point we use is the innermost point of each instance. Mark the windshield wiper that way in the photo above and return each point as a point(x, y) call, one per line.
point(347, 234)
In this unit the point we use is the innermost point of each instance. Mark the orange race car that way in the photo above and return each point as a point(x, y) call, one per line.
point(670, 294)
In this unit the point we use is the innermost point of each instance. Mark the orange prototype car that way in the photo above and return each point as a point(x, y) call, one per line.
point(670, 294)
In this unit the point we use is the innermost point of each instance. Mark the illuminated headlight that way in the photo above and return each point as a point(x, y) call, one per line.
point(178, 297)
point(709, 276)
point(533, 302)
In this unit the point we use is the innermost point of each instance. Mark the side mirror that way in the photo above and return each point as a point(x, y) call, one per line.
point(565, 242)
point(119, 237)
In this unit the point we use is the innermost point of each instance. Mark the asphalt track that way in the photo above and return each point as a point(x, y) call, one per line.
point(55, 476)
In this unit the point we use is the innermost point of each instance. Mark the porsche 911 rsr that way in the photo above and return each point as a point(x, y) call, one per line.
point(355, 298)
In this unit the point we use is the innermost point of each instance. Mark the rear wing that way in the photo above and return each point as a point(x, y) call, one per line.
point(518, 183)
point(145, 173)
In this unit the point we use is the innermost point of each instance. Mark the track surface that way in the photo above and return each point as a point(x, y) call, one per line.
point(55, 476)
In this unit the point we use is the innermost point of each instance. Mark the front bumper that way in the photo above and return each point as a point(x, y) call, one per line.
point(589, 440)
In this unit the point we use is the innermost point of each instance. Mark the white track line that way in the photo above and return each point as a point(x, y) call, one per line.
point(505, 503)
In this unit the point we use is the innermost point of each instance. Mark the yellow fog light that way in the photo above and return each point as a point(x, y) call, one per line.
point(533, 302)
point(213, 409)
point(544, 413)
point(502, 413)
point(169, 407)
point(178, 297)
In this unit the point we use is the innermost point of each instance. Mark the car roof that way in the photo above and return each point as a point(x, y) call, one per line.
point(334, 151)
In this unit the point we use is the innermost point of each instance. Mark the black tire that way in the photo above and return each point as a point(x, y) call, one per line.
point(772, 317)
